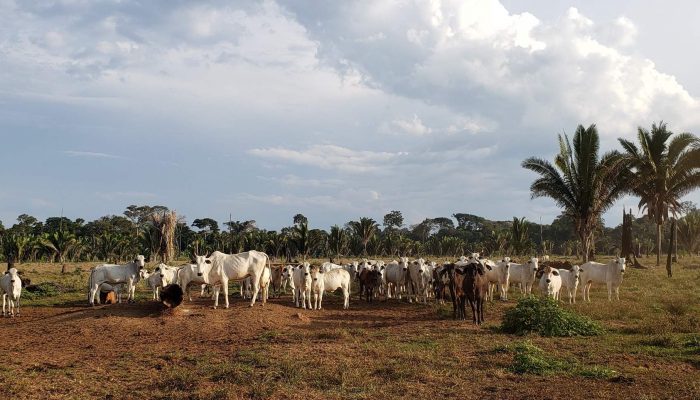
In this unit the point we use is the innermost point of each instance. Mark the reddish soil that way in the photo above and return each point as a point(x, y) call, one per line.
point(377, 350)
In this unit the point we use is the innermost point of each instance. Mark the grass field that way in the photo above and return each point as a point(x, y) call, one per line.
point(62, 348)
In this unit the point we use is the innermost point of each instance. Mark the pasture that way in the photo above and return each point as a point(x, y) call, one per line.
point(61, 348)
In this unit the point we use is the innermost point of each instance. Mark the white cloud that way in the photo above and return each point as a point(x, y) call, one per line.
point(329, 156)
point(410, 126)
point(91, 154)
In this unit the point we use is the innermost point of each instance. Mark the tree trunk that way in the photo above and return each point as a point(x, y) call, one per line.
point(658, 244)
point(669, 258)
point(585, 243)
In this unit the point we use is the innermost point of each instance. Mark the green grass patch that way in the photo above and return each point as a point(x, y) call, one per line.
point(545, 317)
point(530, 359)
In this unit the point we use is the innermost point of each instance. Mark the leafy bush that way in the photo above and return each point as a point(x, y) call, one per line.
point(530, 359)
point(545, 317)
point(44, 289)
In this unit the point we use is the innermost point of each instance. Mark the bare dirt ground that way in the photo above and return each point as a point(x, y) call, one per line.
point(372, 351)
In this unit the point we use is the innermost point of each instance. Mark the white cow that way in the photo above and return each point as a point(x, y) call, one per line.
point(550, 282)
point(186, 275)
point(610, 274)
point(302, 284)
point(220, 267)
point(498, 275)
point(114, 274)
point(287, 279)
point(523, 274)
point(395, 278)
point(327, 266)
point(418, 281)
point(11, 290)
point(161, 277)
point(353, 268)
point(569, 280)
point(329, 282)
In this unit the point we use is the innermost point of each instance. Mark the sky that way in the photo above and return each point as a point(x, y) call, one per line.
point(336, 110)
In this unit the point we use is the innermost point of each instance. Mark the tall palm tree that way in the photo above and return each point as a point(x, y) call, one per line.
point(580, 181)
point(337, 240)
point(302, 239)
point(518, 236)
point(662, 172)
point(60, 243)
point(689, 232)
point(364, 229)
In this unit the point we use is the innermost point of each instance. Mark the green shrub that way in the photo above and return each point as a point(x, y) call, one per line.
point(44, 289)
point(545, 317)
point(530, 359)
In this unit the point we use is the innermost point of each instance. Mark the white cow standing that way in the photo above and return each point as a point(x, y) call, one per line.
point(395, 277)
point(11, 290)
point(418, 281)
point(550, 283)
point(287, 279)
point(498, 275)
point(115, 274)
point(523, 274)
point(185, 275)
point(610, 274)
point(219, 268)
point(569, 280)
point(329, 282)
point(302, 284)
point(162, 276)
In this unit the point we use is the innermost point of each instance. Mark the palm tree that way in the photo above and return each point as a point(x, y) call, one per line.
point(301, 238)
point(518, 236)
point(580, 181)
point(364, 229)
point(662, 172)
point(689, 232)
point(60, 243)
point(338, 240)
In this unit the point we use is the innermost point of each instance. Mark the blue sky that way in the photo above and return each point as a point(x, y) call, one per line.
point(336, 110)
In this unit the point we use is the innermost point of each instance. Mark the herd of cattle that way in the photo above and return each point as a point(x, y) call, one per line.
point(470, 280)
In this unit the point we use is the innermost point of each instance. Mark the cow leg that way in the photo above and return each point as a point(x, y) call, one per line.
point(3, 304)
point(320, 300)
point(224, 286)
point(346, 297)
point(617, 293)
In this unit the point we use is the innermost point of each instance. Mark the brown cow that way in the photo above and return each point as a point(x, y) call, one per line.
point(276, 280)
point(109, 297)
point(370, 280)
point(475, 286)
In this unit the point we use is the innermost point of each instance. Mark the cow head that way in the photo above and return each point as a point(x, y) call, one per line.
point(140, 261)
point(549, 272)
point(202, 265)
point(620, 263)
point(534, 265)
point(14, 276)
point(316, 273)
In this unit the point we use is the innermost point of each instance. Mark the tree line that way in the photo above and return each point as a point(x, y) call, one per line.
point(659, 169)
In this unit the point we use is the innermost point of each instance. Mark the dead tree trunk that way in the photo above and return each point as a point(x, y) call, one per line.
point(669, 258)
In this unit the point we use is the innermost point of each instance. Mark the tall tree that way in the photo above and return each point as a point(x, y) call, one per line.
point(393, 220)
point(663, 172)
point(60, 243)
point(337, 240)
point(364, 229)
point(580, 181)
point(299, 218)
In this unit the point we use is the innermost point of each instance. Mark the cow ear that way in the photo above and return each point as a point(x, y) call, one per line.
point(208, 261)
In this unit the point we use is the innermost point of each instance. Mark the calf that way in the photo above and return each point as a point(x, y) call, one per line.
point(302, 284)
point(569, 280)
point(370, 280)
point(288, 279)
point(524, 274)
point(395, 278)
point(498, 275)
point(475, 285)
point(550, 283)
point(452, 275)
point(276, 280)
point(330, 281)
point(418, 281)
point(611, 274)
point(11, 290)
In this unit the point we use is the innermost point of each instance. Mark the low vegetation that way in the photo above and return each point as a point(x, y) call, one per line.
point(546, 317)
